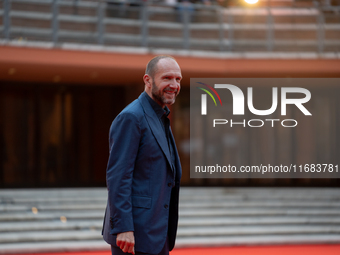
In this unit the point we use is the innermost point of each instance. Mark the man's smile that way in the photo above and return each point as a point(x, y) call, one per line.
point(170, 92)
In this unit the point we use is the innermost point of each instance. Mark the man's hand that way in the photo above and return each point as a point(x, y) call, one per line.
point(126, 242)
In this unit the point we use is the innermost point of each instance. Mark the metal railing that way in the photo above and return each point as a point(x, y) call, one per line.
point(180, 26)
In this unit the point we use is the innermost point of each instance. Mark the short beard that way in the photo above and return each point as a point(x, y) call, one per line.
point(159, 96)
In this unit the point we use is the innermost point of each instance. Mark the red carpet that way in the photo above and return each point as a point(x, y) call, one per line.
point(331, 249)
point(263, 250)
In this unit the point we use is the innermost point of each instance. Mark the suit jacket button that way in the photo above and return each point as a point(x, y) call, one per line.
point(166, 206)
point(169, 184)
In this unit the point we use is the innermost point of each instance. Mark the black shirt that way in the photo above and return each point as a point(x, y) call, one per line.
point(162, 114)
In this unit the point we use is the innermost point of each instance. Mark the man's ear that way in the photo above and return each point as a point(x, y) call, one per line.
point(147, 80)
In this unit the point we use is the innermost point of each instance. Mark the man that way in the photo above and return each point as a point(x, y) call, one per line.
point(144, 171)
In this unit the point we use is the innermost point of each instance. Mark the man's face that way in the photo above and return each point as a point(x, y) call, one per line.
point(166, 82)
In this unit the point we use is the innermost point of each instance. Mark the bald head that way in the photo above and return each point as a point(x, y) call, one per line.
point(162, 79)
point(151, 67)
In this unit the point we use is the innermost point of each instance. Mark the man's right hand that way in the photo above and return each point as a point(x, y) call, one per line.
point(126, 242)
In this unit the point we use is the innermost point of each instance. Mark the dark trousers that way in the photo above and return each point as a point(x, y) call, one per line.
point(165, 251)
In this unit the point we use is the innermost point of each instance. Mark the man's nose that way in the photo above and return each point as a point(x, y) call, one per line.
point(174, 84)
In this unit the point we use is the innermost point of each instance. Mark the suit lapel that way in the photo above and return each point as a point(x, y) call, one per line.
point(155, 127)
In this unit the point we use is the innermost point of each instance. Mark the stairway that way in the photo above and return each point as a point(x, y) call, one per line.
point(57, 220)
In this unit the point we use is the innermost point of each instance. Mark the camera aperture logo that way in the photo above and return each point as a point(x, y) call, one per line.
point(239, 104)
point(204, 97)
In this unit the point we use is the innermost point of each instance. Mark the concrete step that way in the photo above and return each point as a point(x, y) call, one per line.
point(256, 240)
point(53, 207)
point(50, 216)
point(256, 230)
point(98, 214)
point(192, 232)
point(189, 204)
point(100, 194)
point(71, 219)
point(90, 224)
point(264, 221)
point(57, 224)
point(43, 236)
point(256, 211)
point(59, 246)
point(268, 203)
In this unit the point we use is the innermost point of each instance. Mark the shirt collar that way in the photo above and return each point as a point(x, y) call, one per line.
point(157, 108)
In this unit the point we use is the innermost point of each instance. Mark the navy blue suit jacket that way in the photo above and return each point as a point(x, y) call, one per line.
point(142, 190)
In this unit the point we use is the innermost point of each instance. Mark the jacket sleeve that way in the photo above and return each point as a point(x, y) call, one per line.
point(124, 138)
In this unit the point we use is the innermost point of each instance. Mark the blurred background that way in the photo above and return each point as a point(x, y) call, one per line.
point(68, 67)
